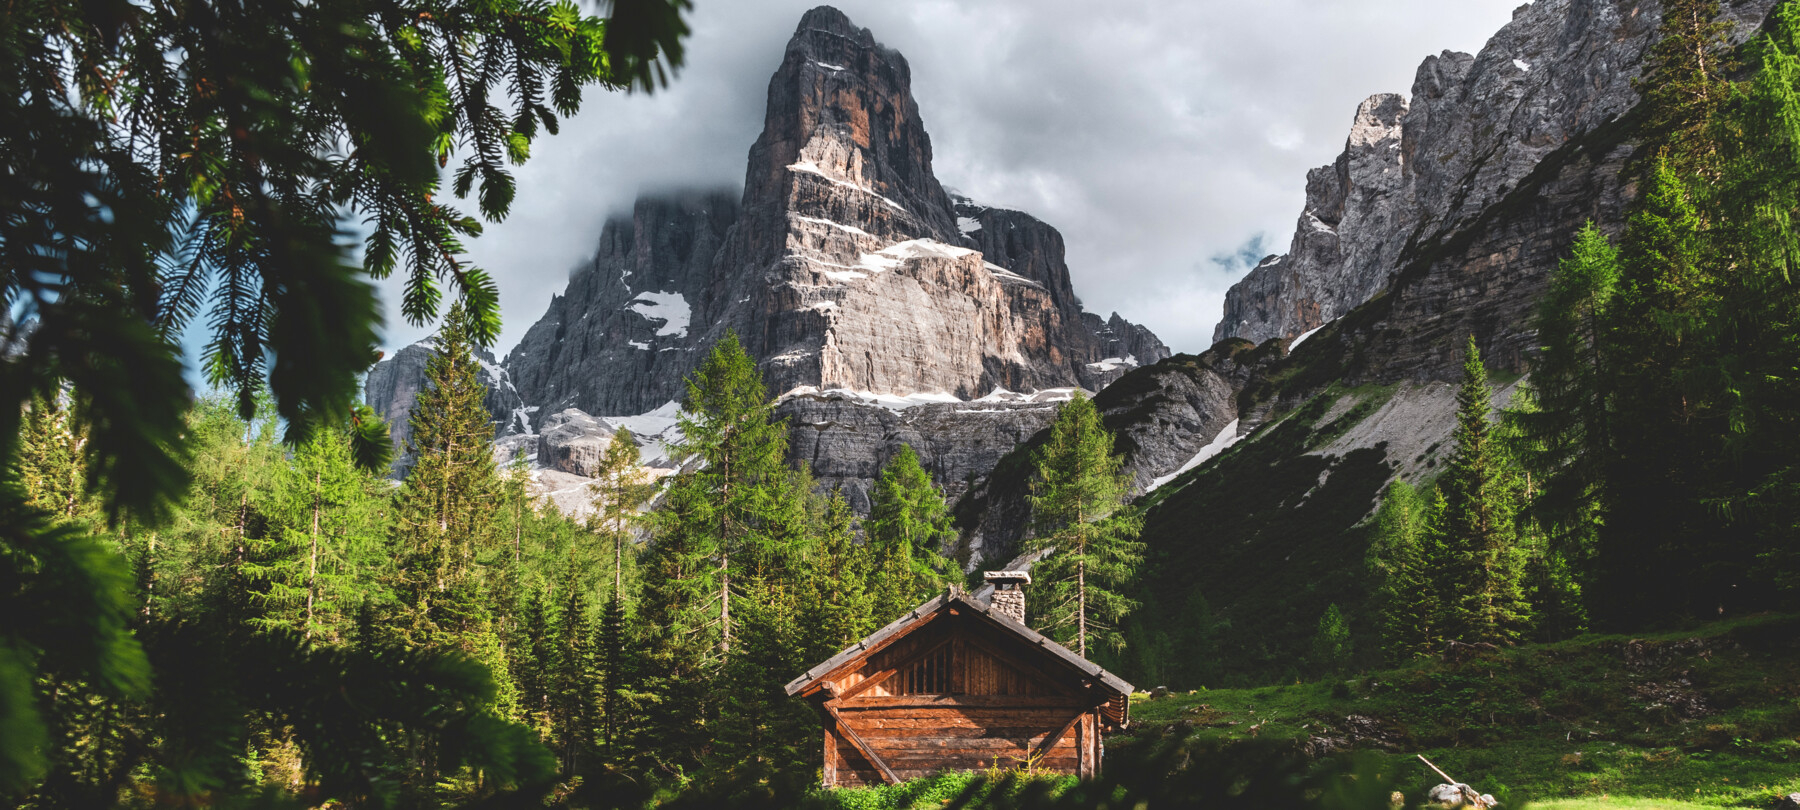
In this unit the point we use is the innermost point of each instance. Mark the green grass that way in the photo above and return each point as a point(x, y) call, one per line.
point(1616, 803)
point(1705, 717)
point(927, 793)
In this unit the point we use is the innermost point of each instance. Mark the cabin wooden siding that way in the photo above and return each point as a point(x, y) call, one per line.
point(957, 692)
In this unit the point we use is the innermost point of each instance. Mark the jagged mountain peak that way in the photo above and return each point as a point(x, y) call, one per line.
point(841, 116)
point(867, 281)
point(1415, 171)
point(842, 268)
point(829, 20)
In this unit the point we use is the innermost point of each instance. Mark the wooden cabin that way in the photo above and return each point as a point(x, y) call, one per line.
point(960, 683)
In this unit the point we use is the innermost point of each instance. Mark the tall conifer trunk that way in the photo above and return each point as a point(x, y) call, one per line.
point(312, 559)
point(1077, 497)
point(725, 556)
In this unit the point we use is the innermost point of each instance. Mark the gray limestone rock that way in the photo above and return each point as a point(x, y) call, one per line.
point(395, 382)
point(845, 266)
point(1166, 413)
point(1448, 795)
point(1416, 173)
point(1483, 272)
point(1100, 349)
point(1161, 417)
point(572, 441)
point(848, 267)
point(1355, 216)
point(627, 330)
point(845, 440)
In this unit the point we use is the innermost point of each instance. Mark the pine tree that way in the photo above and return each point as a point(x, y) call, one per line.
point(1683, 86)
point(529, 654)
point(1076, 494)
point(323, 548)
point(760, 728)
point(1407, 559)
point(572, 686)
point(1485, 564)
point(728, 421)
point(1556, 560)
point(621, 487)
point(615, 674)
point(677, 617)
point(1658, 534)
point(1331, 648)
point(1568, 420)
point(445, 509)
point(1760, 308)
point(236, 466)
point(1553, 586)
point(515, 502)
point(1658, 410)
point(786, 508)
point(907, 527)
point(723, 576)
point(841, 609)
point(49, 464)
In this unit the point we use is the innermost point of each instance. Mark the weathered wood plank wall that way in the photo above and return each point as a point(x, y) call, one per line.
point(956, 696)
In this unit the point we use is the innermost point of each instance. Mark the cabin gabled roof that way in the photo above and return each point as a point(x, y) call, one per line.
point(1089, 670)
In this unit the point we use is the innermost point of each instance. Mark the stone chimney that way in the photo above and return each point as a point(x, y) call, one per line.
point(1009, 594)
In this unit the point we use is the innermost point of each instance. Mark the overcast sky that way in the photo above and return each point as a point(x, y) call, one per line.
point(1168, 141)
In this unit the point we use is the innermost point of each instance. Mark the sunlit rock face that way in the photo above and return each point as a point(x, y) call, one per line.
point(882, 310)
point(844, 265)
point(851, 267)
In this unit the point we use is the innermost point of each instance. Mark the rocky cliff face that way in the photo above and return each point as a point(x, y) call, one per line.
point(1340, 255)
point(1415, 173)
point(1164, 418)
point(394, 382)
point(845, 439)
point(1506, 154)
point(623, 335)
point(881, 308)
point(848, 267)
point(844, 266)
point(1026, 246)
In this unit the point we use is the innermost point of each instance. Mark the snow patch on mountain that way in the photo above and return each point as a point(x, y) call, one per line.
point(1114, 363)
point(1226, 438)
point(1306, 334)
point(900, 402)
point(670, 308)
point(810, 167)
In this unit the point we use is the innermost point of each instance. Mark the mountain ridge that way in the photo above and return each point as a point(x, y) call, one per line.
point(1474, 128)
point(882, 310)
